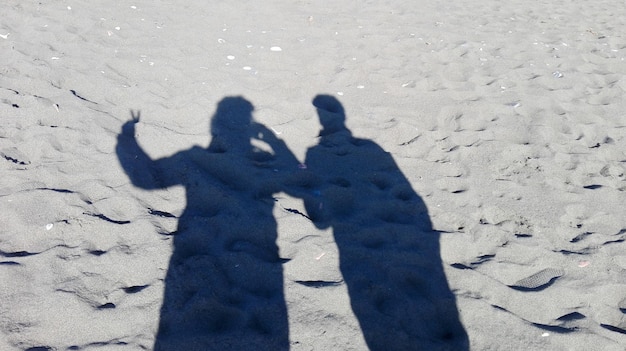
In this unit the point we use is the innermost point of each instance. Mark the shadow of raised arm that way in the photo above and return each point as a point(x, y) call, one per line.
point(283, 156)
point(143, 172)
point(295, 180)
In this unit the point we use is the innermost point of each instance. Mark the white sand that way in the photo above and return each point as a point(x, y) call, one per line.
point(507, 119)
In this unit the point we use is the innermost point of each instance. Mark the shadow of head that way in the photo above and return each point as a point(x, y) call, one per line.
point(233, 114)
point(330, 111)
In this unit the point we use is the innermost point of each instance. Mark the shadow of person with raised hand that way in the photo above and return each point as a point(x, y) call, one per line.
point(224, 284)
point(389, 253)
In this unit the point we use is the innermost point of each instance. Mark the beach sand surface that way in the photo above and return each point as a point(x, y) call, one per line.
point(472, 198)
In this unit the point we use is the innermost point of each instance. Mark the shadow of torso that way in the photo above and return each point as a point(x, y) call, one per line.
point(224, 284)
point(223, 289)
point(389, 253)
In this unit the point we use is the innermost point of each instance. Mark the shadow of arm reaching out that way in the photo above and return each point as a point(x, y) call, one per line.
point(143, 172)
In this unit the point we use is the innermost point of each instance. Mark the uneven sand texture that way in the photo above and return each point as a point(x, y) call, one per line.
point(506, 120)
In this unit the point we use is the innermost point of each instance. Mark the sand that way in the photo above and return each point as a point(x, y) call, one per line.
point(387, 175)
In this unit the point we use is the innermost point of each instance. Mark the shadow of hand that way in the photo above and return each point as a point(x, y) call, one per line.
point(129, 127)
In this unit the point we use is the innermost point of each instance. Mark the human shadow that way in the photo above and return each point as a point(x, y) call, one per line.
point(224, 284)
point(389, 252)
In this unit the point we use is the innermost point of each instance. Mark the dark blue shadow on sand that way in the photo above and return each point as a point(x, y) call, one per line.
point(388, 251)
point(224, 285)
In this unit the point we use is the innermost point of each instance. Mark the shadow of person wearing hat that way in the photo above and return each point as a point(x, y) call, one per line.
point(388, 251)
